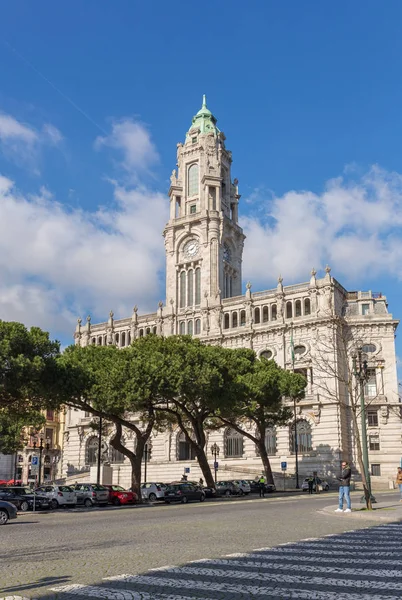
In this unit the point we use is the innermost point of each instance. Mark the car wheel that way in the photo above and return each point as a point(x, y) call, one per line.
point(3, 517)
point(54, 503)
point(227, 493)
point(24, 506)
point(202, 497)
point(88, 502)
point(241, 492)
point(116, 502)
point(184, 500)
point(152, 497)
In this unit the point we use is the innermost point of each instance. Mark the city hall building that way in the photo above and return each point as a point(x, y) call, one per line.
point(292, 324)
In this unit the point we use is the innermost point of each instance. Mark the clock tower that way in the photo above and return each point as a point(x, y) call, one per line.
point(203, 241)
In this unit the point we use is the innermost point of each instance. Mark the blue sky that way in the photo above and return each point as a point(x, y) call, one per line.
point(95, 95)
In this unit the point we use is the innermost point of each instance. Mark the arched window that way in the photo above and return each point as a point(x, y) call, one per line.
point(141, 333)
point(182, 327)
point(91, 453)
point(267, 354)
point(193, 180)
point(234, 319)
point(198, 286)
point(100, 341)
point(94, 341)
point(298, 308)
point(182, 289)
point(242, 318)
point(154, 330)
point(265, 314)
point(123, 338)
point(116, 339)
point(197, 326)
point(257, 315)
point(226, 321)
point(148, 330)
point(115, 456)
point(307, 306)
point(289, 311)
point(274, 311)
point(128, 338)
point(270, 440)
point(190, 287)
point(233, 443)
point(304, 437)
point(184, 450)
point(190, 328)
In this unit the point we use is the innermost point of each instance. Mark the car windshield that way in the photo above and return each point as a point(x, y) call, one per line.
point(173, 488)
point(117, 488)
point(65, 488)
point(98, 488)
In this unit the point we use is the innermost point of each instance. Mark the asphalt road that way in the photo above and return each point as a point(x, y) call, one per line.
point(39, 552)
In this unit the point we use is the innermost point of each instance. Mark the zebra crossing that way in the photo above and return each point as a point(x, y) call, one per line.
point(365, 564)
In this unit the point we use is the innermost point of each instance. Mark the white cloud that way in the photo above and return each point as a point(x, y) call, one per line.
point(22, 143)
point(133, 141)
point(355, 226)
point(56, 263)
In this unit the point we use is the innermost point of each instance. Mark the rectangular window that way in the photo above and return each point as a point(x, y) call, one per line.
point(376, 470)
point(372, 418)
point(374, 442)
point(370, 389)
point(193, 209)
point(50, 415)
point(49, 437)
point(365, 309)
point(194, 140)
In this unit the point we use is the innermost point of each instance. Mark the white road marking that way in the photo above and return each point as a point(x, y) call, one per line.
point(117, 594)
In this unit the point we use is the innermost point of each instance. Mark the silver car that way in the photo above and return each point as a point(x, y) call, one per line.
point(153, 491)
point(90, 494)
point(58, 495)
point(243, 485)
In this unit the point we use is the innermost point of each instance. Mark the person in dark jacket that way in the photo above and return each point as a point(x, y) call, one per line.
point(344, 488)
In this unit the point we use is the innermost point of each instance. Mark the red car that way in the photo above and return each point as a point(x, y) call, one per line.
point(118, 495)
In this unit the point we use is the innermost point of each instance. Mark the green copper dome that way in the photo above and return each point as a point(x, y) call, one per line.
point(204, 120)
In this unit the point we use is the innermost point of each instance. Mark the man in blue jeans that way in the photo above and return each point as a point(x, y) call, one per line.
point(344, 488)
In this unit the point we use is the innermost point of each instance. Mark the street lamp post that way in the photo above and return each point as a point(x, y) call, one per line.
point(361, 374)
point(98, 470)
point(215, 454)
point(40, 447)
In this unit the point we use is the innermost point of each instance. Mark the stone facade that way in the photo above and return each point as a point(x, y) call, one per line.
point(296, 325)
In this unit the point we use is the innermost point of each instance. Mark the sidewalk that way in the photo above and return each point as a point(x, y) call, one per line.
point(383, 512)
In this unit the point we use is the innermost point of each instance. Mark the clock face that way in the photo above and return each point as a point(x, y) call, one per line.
point(191, 248)
point(227, 255)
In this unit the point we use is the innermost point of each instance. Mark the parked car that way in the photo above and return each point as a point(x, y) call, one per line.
point(243, 485)
point(90, 494)
point(23, 498)
point(227, 488)
point(7, 511)
point(324, 485)
point(183, 492)
point(255, 487)
point(58, 495)
point(118, 495)
point(209, 492)
point(153, 491)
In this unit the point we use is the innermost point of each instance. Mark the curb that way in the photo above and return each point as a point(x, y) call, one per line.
point(393, 513)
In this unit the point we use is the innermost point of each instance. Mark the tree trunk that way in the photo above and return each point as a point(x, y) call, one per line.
point(359, 451)
point(265, 461)
point(204, 466)
point(134, 458)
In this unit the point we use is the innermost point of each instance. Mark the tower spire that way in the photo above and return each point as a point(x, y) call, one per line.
point(204, 101)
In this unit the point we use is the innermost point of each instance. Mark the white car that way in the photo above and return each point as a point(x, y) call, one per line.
point(243, 485)
point(59, 495)
point(153, 491)
point(324, 485)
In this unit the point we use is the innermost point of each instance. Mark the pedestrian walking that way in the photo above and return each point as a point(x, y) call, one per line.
point(399, 481)
point(201, 482)
point(344, 488)
point(262, 482)
point(310, 482)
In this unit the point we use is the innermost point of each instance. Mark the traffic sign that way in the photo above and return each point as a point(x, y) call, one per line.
point(187, 469)
point(216, 465)
point(35, 461)
point(284, 465)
